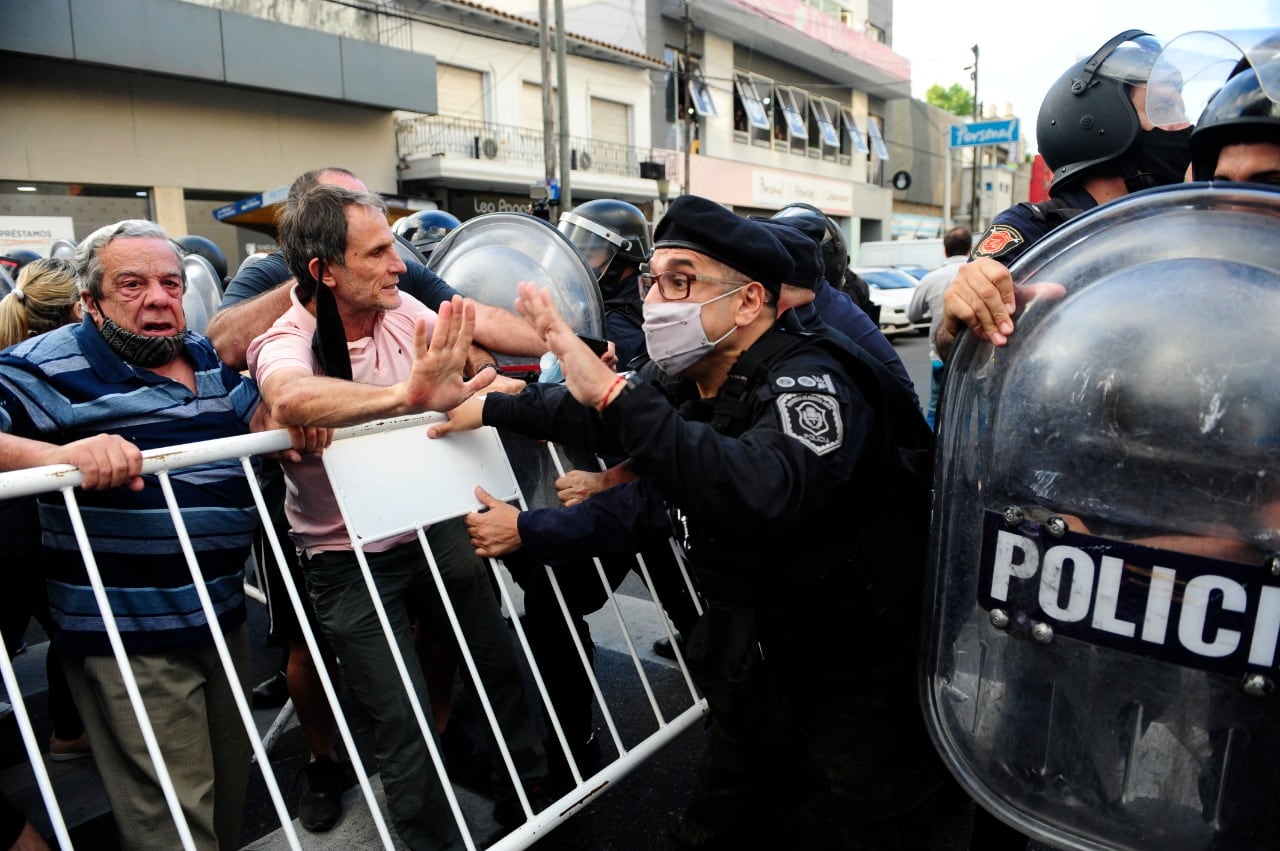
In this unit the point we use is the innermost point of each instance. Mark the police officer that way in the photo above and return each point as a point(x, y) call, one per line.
point(1234, 139)
point(775, 444)
point(613, 237)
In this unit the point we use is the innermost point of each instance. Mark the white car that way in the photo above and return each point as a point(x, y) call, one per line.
point(892, 290)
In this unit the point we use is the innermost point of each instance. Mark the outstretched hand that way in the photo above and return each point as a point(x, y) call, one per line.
point(587, 377)
point(435, 383)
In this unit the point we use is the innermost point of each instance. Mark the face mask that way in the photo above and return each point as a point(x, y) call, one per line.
point(139, 349)
point(674, 336)
point(1160, 159)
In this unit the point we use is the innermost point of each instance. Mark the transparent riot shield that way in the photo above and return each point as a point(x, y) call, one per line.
point(486, 257)
point(1101, 650)
point(203, 295)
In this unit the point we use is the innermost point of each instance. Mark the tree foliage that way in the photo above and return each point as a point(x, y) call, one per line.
point(956, 99)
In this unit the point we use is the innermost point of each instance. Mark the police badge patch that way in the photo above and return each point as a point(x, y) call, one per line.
point(813, 419)
point(997, 240)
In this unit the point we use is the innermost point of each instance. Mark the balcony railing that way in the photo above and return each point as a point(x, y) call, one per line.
point(440, 135)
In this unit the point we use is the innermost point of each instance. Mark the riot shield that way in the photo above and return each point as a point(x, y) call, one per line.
point(1101, 648)
point(203, 295)
point(486, 257)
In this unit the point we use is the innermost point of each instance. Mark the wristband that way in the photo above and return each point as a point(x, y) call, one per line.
point(608, 394)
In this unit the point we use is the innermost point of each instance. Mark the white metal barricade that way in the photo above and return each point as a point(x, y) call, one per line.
point(389, 480)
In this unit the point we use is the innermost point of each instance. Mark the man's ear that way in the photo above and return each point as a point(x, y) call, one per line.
point(89, 305)
point(755, 296)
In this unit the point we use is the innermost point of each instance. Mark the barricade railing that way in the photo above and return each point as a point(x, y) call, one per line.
point(367, 465)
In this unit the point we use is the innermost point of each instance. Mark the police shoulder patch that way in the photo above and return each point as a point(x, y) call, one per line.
point(997, 240)
point(813, 419)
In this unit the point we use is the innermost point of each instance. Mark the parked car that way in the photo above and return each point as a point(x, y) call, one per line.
point(891, 289)
point(917, 272)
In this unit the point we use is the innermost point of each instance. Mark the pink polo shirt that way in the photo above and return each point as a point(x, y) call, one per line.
point(383, 358)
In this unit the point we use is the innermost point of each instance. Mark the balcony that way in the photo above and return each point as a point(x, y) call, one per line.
point(482, 155)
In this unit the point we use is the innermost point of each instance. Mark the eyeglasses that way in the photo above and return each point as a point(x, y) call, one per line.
point(674, 286)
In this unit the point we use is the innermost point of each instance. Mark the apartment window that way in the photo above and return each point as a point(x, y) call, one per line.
point(789, 125)
point(750, 114)
point(824, 141)
point(610, 121)
point(700, 95)
point(460, 92)
point(531, 106)
point(851, 139)
point(880, 154)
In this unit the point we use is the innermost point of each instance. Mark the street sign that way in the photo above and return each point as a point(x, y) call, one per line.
point(984, 133)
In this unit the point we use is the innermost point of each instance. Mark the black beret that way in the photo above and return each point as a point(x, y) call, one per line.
point(702, 225)
point(806, 256)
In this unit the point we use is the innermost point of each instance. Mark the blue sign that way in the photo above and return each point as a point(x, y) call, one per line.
point(245, 205)
point(984, 133)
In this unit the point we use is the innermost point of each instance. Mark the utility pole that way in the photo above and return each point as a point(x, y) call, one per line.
point(562, 88)
point(977, 150)
point(683, 117)
point(548, 116)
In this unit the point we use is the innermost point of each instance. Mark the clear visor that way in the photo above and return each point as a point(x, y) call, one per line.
point(596, 244)
point(1197, 64)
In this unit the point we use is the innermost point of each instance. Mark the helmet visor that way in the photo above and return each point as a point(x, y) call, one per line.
point(1197, 64)
point(597, 244)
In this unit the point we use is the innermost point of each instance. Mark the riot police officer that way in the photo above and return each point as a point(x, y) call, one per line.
point(757, 443)
point(425, 228)
point(613, 237)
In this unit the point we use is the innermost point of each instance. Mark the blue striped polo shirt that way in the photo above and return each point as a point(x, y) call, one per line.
point(67, 385)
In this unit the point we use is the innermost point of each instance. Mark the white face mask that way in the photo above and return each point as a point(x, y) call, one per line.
point(674, 336)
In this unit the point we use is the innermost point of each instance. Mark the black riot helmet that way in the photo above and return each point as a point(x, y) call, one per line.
point(1240, 113)
point(425, 228)
point(208, 249)
point(819, 226)
point(605, 228)
point(1088, 123)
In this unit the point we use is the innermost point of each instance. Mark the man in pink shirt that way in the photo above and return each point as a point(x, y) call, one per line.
point(352, 348)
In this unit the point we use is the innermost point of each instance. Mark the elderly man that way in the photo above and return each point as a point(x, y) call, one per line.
point(371, 359)
point(762, 446)
point(130, 377)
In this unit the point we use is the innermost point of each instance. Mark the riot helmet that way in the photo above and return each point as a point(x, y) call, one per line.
point(62, 249)
point(605, 228)
point(1089, 124)
point(206, 248)
point(819, 226)
point(16, 259)
point(425, 228)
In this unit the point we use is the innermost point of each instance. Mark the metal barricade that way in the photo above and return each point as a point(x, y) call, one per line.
point(377, 471)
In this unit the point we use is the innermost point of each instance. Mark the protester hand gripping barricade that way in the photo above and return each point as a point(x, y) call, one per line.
point(1106, 584)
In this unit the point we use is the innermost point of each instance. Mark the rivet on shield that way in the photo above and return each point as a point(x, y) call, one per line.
point(999, 618)
point(1272, 563)
point(1056, 525)
point(1256, 685)
point(1012, 515)
point(1042, 633)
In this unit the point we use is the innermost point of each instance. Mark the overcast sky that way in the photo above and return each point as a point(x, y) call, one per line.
point(1021, 53)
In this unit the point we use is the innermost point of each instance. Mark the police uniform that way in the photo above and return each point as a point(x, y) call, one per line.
point(785, 512)
point(1021, 226)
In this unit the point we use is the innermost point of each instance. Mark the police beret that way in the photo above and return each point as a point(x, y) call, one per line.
point(702, 225)
point(806, 256)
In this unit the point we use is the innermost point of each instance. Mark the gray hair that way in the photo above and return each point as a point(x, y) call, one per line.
point(88, 254)
point(316, 228)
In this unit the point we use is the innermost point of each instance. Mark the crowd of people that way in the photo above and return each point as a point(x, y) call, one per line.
point(750, 408)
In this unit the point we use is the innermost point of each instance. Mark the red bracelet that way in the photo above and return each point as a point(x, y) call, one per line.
point(608, 394)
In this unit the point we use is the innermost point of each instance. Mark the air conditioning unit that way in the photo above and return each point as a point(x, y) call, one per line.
point(584, 161)
point(486, 147)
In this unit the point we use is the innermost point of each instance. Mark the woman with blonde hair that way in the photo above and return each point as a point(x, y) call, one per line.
point(46, 296)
